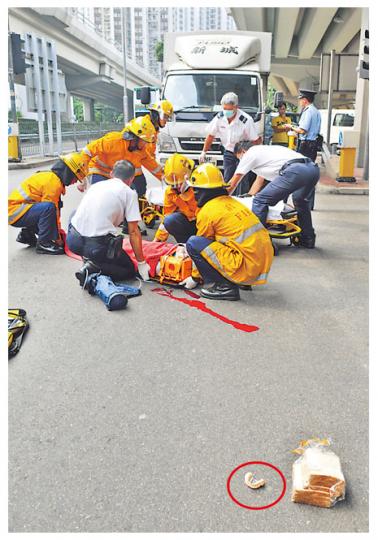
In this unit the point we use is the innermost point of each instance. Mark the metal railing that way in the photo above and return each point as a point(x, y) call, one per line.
point(74, 135)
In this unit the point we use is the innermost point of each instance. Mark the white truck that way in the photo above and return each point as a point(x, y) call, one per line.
point(199, 69)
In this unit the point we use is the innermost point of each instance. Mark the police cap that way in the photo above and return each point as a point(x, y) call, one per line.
point(309, 94)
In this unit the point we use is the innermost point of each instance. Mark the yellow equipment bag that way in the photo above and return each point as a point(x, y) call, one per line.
point(17, 326)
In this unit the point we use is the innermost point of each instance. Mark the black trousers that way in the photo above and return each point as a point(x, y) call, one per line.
point(309, 149)
point(95, 249)
point(230, 162)
point(139, 185)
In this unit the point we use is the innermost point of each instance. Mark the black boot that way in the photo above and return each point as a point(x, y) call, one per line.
point(245, 287)
point(26, 236)
point(49, 248)
point(221, 291)
point(85, 271)
point(306, 241)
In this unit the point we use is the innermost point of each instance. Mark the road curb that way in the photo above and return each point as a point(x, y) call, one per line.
point(342, 190)
point(31, 164)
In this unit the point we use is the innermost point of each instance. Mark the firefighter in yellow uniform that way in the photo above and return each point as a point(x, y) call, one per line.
point(131, 144)
point(180, 207)
point(35, 204)
point(232, 249)
point(159, 113)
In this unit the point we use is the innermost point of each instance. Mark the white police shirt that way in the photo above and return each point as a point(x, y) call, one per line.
point(242, 128)
point(104, 207)
point(266, 161)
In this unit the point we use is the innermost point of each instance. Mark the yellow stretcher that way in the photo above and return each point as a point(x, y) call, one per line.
point(150, 212)
point(282, 220)
point(285, 228)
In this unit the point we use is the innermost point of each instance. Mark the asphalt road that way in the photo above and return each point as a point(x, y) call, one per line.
point(133, 420)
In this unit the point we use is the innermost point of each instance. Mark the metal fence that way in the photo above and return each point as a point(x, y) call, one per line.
point(74, 136)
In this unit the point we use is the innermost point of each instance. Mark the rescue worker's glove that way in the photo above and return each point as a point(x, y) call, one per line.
point(143, 270)
point(189, 283)
point(202, 157)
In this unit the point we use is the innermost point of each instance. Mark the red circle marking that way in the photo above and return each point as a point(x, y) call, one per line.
point(266, 464)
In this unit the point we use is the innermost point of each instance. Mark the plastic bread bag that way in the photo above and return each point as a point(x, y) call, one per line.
point(317, 476)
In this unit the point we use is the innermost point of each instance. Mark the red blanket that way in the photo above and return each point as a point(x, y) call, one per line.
point(152, 251)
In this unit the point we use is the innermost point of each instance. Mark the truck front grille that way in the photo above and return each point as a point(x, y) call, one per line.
point(195, 144)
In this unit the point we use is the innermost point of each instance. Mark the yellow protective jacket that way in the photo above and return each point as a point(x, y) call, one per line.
point(43, 186)
point(173, 202)
point(241, 249)
point(102, 154)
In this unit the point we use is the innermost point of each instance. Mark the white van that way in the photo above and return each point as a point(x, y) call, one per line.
point(342, 120)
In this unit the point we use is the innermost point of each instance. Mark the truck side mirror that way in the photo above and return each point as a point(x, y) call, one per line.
point(278, 98)
point(145, 95)
point(267, 110)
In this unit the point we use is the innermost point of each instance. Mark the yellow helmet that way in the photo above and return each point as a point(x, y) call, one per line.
point(177, 169)
point(207, 176)
point(164, 108)
point(142, 127)
point(76, 163)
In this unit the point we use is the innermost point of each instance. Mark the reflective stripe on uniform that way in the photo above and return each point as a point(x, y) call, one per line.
point(87, 151)
point(16, 215)
point(244, 235)
point(102, 164)
point(156, 170)
point(138, 171)
point(261, 277)
point(213, 257)
point(24, 195)
point(95, 170)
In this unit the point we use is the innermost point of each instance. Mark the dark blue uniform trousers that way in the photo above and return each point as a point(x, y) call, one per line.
point(41, 220)
point(180, 227)
point(194, 246)
point(298, 179)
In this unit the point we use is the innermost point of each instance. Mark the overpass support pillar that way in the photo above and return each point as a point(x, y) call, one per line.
point(88, 110)
point(362, 100)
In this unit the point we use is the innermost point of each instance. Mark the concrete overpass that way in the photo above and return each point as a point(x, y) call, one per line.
point(300, 36)
point(93, 67)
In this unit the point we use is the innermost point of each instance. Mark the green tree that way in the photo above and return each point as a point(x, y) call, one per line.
point(270, 96)
point(159, 51)
point(78, 109)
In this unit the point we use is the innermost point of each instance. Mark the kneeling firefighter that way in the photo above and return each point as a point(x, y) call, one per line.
point(232, 248)
point(180, 206)
point(35, 205)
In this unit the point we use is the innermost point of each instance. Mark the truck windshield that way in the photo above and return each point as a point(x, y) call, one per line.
point(205, 90)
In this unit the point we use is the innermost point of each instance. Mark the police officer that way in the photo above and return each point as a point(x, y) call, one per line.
point(287, 172)
point(231, 248)
point(308, 128)
point(231, 125)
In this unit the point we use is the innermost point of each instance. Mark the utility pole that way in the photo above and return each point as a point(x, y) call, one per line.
point(125, 104)
point(14, 147)
point(330, 92)
point(11, 79)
